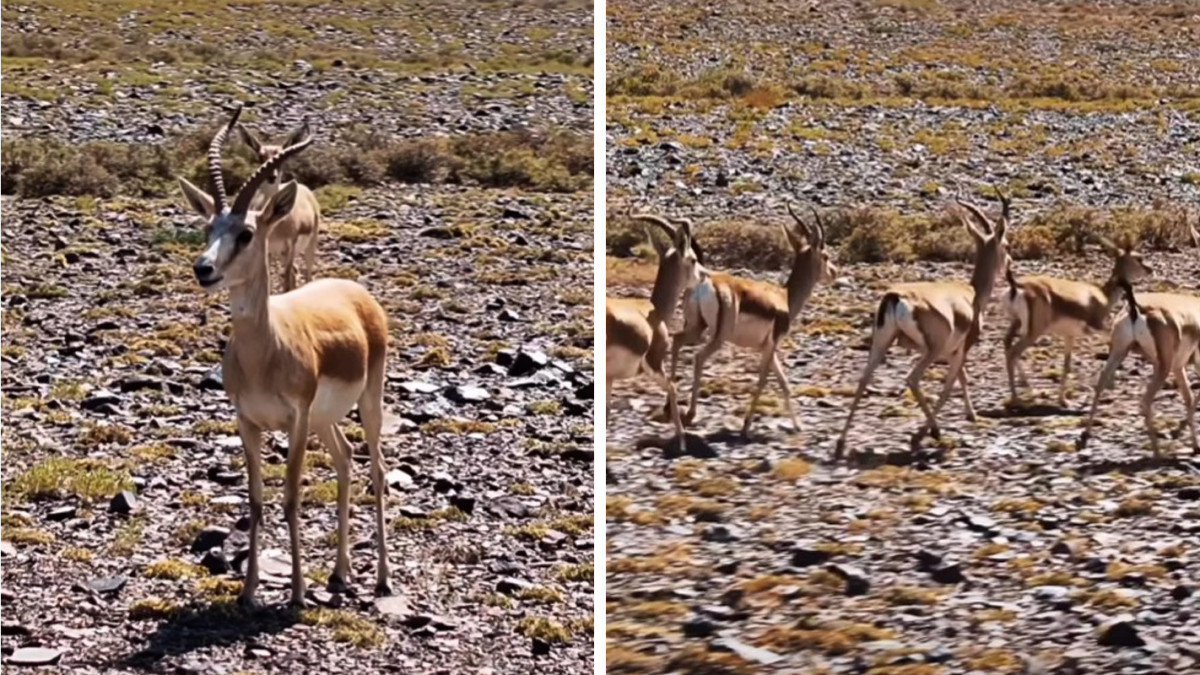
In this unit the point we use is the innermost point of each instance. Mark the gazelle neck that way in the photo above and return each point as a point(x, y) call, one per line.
point(665, 295)
point(800, 284)
point(1112, 290)
point(983, 280)
point(250, 309)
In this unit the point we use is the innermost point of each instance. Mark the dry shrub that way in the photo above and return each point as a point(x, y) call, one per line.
point(743, 245)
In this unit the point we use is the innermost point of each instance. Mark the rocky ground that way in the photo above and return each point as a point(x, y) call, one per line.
point(124, 496)
point(1000, 548)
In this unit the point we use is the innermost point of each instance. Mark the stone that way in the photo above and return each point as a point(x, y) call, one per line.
point(464, 502)
point(510, 585)
point(35, 656)
point(399, 479)
point(722, 533)
point(540, 647)
point(392, 606)
point(212, 536)
point(62, 513)
point(699, 627)
point(856, 581)
point(1120, 632)
point(527, 362)
point(804, 554)
point(107, 585)
point(123, 502)
point(747, 652)
point(1181, 592)
point(215, 561)
point(467, 394)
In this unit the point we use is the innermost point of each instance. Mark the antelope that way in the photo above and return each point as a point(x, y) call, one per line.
point(295, 362)
point(636, 332)
point(940, 319)
point(299, 229)
point(1165, 328)
point(753, 314)
point(1040, 305)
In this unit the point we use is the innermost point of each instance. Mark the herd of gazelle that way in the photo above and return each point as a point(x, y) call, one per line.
point(296, 362)
point(940, 320)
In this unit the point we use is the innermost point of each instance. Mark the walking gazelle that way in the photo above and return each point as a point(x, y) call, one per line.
point(940, 319)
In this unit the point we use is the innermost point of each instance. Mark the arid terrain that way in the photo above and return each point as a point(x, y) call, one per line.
point(453, 162)
point(999, 548)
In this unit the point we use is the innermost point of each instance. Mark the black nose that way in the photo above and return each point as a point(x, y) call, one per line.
point(203, 270)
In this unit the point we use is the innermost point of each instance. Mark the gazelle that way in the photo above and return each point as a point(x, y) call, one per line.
point(300, 227)
point(295, 362)
point(1165, 328)
point(752, 314)
point(940, 319)
point(1040, 305)
point(636, 333)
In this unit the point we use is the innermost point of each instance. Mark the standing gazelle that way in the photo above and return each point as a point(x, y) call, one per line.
point(1165, 327)
point(753, 314)
point(636, 332)
point(940, 319)
point(301, 226)
point(295, 362)
point(1039, 305)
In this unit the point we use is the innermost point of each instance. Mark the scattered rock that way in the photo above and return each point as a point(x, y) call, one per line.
point(123, 502)
point(1120, 632)
point(35, 656)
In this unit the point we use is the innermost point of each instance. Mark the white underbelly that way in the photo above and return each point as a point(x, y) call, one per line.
point(752, 331)
point(1067, 328)
point(334, 400)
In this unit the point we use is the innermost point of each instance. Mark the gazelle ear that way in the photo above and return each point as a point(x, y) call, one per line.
point(250, 139)
point(297, 136)
point(279, 205)
point(200, 201)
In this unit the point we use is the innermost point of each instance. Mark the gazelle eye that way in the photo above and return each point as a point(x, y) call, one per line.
point(245, 237)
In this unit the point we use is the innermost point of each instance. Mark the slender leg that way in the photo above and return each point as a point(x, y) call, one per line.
point(608, 401)
point(1121, 344)
point(1068, 346)
point(1012, 360)
point(1157, 380)
point(1009, 365)
point(297, 444)
point(953, 375)
point(965, 380)
point(310, 257)
point(777, 365)
point(880, 342)
point(689, 336)
point(1189, 403)
point(252, 444)
point(289, 267)
point(698, 373)
point(913, 380)
point(672, 404)
point(339, 580)
point(764, 371)
point(370, 409)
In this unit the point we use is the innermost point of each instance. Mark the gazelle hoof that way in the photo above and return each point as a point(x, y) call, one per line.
point(1081, 442)
point(383, 589)
point(839, 450)
point(248, 602)
point(336, 584)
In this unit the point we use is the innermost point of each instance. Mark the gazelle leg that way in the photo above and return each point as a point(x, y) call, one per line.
point(702, 356)
point(965, 380)
point(913, 380)
point(252, 444)
point(1012, 360)
point(665, 382)
point(608, 401)
point(297, 444)
point(781, 375)
point(880, 342)
point(1068, 346)
point(1189, 403)
point(1121, 344)
point(688, 337)
point(1157, 380)
point(953, 375)
point(339, 580)
point(764, 371)
point(310, 257)
point(370, 409)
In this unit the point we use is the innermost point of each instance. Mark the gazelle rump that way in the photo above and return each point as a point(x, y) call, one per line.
point(752, 314)
point(1041, 305)
point(299, 229)
point(296, 362)
point(1165, 328)
point(636, 332)
point(941, 320)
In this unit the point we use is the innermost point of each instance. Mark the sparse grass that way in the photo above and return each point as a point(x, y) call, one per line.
point(582, 572)
point(82, 555)
point(218, 587)
point(152, 609)
point(544, 629)
point(89, 480)
point(832, 640)
point(96, 435)
point(911, 595)
point(347, 626)
point(542, 595)
point(791, 469)
point(458, 427)
point(173, 569)
point(26, 535)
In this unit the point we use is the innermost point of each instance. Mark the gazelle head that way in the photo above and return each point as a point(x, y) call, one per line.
point(679, 260)
point(265, 151)
point(991, 245)
point(808, 243)
point(1128, 264)
point(236, 236)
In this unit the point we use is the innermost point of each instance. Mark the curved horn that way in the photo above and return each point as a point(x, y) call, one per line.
point(819, 228)
point(975, 211)
point(803, 225)
point(1004, 202)
point(656, 220)
point(214, 161)
point(246, 195)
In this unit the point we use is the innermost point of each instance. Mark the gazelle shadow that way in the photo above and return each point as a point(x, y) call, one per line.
point(212, 625)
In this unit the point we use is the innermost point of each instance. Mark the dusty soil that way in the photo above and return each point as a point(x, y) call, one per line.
point(1000, 548)
point(109, 356)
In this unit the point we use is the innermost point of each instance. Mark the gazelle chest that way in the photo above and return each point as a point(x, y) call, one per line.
point(272, 411)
